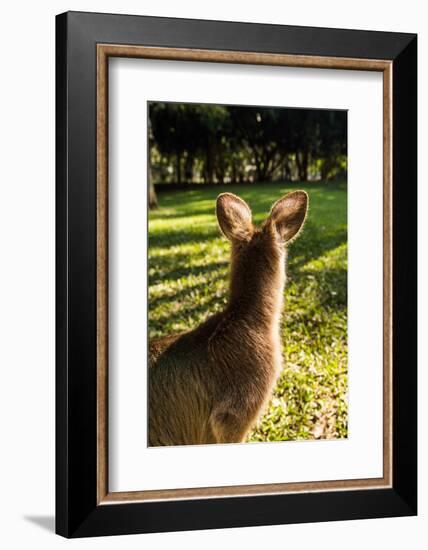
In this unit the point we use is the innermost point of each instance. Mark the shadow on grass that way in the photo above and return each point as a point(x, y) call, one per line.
point(198, 289)
point(168, 238)
point(325, 231)
point(165, 269)
point(311, 246)
point(314, 244)
point(189, 315)
point(327, 209)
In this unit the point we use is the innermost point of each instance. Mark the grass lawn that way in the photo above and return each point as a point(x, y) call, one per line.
point(188, 280)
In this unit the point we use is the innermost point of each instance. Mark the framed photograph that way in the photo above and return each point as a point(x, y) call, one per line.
point(236, 274)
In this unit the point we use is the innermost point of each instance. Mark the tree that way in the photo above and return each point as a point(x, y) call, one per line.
point(153, 200)
point(219, 144)
point(265, 132)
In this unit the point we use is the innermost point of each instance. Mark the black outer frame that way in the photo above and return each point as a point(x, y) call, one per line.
point(77, 513)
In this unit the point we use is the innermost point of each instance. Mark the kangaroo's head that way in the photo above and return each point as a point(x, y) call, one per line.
point(258, 252)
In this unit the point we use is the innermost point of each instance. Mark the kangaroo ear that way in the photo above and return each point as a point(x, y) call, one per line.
point(234, 217)
point(288, 214)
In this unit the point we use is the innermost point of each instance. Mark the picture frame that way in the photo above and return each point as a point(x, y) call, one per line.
point(84, 44)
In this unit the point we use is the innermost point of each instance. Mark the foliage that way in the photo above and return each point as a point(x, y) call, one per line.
point(188, 271)
point(225, 143)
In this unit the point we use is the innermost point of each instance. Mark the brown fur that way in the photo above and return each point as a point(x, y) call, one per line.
point(210, 385)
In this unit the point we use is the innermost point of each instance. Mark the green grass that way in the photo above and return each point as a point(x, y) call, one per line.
point(188, 280)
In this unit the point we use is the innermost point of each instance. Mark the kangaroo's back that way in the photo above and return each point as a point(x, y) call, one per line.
point(209, 385)
point(181, 388)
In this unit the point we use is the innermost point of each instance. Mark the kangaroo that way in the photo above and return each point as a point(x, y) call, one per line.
point(211, 384)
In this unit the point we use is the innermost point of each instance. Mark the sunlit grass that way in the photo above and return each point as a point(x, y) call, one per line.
point(188, 270)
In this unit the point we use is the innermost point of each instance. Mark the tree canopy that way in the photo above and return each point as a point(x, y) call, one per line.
point(201, 143)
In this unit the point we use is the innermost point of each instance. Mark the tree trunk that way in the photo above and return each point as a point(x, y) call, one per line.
point(302, 165)
point(153, 200)
point(326, 167)
point(259, 170)
point(188, 169)
point(287, 170)
point(209, 165)
point(234, 173)
point(178, 168)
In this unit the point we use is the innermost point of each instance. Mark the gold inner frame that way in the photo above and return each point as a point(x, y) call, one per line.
point(104, 51)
